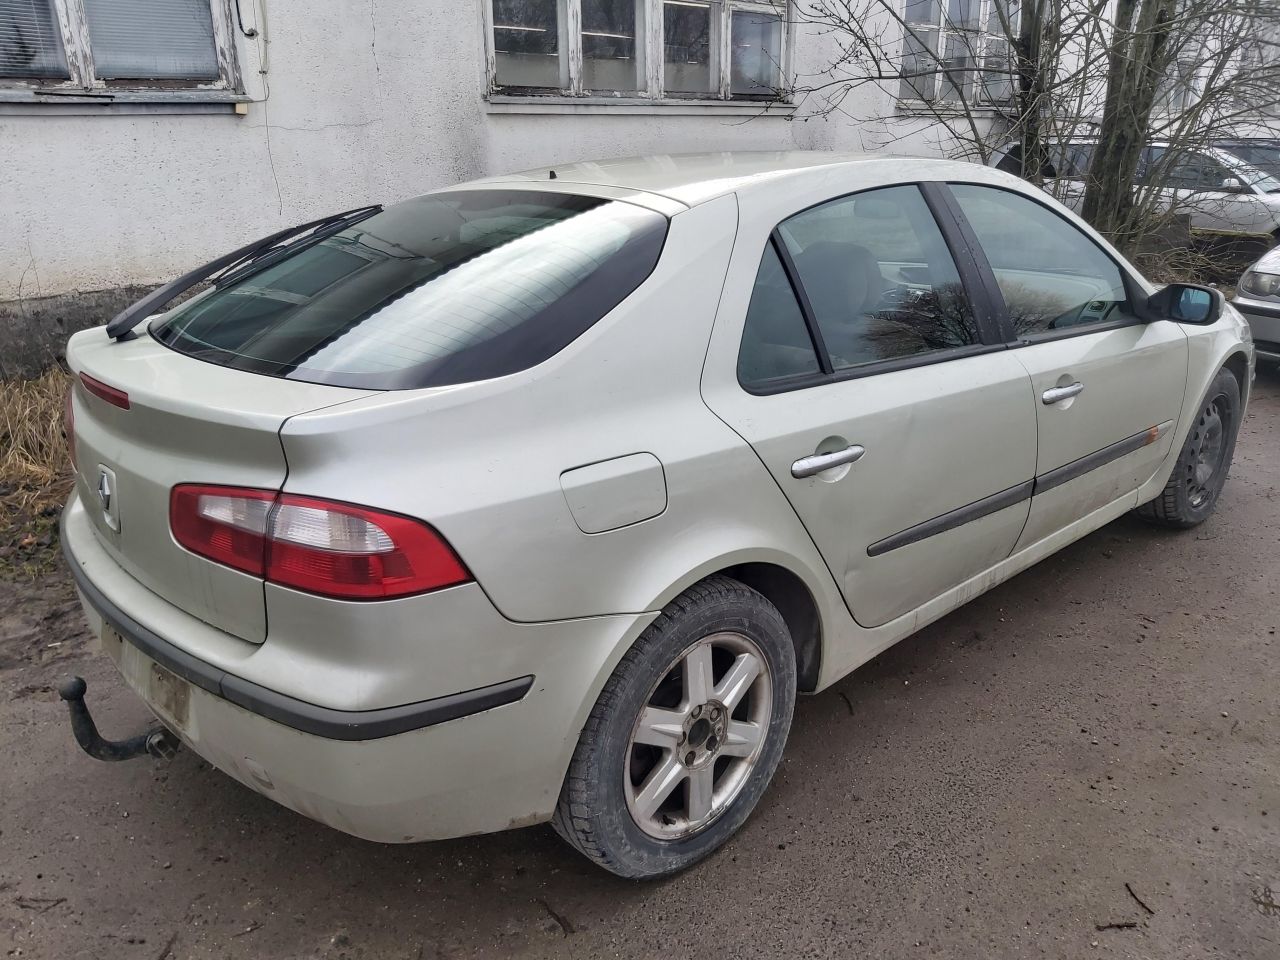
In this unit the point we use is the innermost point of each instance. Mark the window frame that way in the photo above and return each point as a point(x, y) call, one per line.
point(976, 287)
point(650, 40)
point(1133, 289)
point(943, 29)
point(82, 84)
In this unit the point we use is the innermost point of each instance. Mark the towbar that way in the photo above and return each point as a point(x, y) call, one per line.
point(158, 742)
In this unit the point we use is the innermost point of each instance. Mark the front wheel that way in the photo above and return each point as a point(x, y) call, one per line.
point(1201, 471)
point(685, 735)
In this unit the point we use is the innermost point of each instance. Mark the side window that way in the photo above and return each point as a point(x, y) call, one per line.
point(1052, 276)
point(775, 342)
point(879, 278)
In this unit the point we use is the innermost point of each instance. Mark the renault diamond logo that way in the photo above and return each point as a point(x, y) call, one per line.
point(107, 497)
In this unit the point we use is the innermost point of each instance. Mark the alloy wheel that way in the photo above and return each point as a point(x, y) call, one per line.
point(698, 736)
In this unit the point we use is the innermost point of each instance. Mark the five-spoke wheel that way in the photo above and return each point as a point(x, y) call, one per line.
point(698, 737)
point(685, 736)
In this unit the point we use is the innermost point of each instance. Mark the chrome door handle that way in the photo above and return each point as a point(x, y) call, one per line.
point(1054, 394)
point(808, 466)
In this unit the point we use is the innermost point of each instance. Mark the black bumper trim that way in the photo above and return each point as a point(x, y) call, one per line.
point(1258, 309)
point(307, 717)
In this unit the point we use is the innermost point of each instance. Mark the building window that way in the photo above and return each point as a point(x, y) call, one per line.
point(65, 45)
point(957, 51)
point(650, 49)
point(1177, 89)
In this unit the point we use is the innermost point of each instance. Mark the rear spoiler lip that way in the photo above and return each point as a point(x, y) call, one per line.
point(123, 323)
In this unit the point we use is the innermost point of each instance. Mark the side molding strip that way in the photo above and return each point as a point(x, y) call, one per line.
point(954, 518)
point(1077, 468)
point(1022, 491)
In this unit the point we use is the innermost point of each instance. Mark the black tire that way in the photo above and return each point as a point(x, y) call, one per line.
point(1204, 461)
point(593, 815)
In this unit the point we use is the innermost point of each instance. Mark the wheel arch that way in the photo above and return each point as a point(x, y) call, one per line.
point(786, 591)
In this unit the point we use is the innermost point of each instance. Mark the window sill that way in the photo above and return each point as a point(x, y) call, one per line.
point(504, 103)
point(919, 108)
point(32, 101)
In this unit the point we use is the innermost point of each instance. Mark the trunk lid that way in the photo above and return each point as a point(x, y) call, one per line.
point(188, 421)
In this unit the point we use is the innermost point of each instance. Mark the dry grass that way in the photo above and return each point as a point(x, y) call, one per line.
point(34, 467)
point(35, 474)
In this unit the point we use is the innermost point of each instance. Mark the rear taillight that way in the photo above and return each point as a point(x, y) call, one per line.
point(104, 391)
point(320, 546)
point(69, 424)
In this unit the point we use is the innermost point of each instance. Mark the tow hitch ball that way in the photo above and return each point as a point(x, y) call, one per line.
point(159, 743)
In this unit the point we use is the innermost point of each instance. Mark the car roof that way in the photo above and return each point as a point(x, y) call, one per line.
point(693, 178)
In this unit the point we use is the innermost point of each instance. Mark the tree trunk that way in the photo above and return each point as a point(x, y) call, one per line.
point(1136, 67)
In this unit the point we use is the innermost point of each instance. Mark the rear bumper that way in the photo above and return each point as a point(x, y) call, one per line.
point(308, 717)
point(478, 761)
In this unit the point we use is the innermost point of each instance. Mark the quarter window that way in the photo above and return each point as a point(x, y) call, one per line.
point(775, 341)
point(879, 278)
point(654, 49)
point(1052, 276)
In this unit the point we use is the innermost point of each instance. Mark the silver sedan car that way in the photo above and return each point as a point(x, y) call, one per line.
point(542, 497)
point(1258, 299)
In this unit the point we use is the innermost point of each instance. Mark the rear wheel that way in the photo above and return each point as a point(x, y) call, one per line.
point(685, 736)
point(1197, 480)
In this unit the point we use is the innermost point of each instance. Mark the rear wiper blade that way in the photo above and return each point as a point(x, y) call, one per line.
point(124, 322)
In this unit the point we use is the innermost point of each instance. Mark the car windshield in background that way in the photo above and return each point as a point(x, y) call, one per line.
point(448, 288)
point(1263, 154)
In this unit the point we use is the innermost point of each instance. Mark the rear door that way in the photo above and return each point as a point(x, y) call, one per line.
point(1106, 387)
point(872, 387)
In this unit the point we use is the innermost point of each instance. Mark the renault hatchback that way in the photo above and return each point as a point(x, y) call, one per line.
point(542, 497)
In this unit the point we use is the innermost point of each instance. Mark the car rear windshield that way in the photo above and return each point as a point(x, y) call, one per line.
point(448, 288)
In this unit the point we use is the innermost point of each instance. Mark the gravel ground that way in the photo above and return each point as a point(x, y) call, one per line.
point(1083, 762)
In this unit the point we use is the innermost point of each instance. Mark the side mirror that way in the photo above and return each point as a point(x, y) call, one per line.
point(1234, 185)
point(1185, 303)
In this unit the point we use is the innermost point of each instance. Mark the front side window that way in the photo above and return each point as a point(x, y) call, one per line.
point(651, 49)
point(106, 44)
point(958, 51)
point(448, 288)
point(879, 278)
point(1053, 277)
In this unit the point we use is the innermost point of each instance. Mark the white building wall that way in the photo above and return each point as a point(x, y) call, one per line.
point(377, 100)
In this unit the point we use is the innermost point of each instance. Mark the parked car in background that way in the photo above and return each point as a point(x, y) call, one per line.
point(542, 497)
point(1258, 298)
point(1214, 186)
point(1263, 154)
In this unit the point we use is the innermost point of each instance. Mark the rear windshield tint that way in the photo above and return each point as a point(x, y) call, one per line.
point(448, 288)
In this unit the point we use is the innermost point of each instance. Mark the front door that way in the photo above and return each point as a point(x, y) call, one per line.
point(899, 432)
point(1107, 388)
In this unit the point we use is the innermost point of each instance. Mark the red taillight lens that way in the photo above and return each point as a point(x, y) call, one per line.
point(69, 424)
point(320, 546)
point(117, 398)
point(226, 524)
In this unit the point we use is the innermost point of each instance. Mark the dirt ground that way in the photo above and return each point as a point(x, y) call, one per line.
point(1083, 762)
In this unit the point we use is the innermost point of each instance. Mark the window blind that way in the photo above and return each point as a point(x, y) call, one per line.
point(151, 39)
point(30, 40)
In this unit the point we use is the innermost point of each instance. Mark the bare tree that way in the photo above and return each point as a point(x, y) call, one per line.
point(1026, 78)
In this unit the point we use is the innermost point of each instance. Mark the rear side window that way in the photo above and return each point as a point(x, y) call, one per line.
point(1053, 277)
point(449, 288)
point(879, 278)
